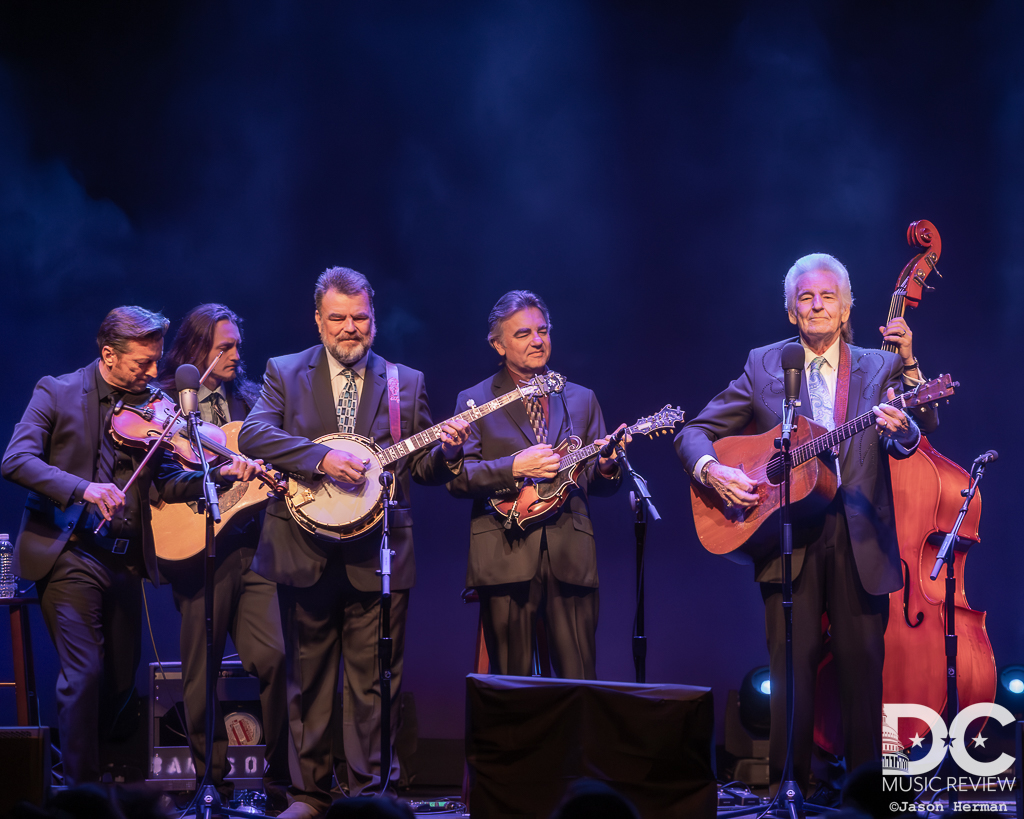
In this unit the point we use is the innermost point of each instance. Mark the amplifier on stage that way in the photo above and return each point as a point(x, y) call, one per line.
point(170, 762)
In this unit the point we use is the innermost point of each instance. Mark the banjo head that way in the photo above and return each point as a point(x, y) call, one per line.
point(333, 510)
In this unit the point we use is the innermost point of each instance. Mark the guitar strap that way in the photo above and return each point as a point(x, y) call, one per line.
point(394, 409)
point(842, 385)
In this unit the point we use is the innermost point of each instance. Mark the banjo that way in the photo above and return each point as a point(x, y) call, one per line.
point(337, 511)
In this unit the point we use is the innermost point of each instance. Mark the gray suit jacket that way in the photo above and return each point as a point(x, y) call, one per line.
point(295, 407)
point(756, 397)
point(497, 555)
point(53, 454)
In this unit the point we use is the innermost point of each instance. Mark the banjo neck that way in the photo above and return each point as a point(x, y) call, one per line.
point(428, 436)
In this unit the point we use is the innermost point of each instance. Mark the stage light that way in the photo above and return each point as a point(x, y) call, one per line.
point(755, 704)
point(1012, 678)
point(1010, 691)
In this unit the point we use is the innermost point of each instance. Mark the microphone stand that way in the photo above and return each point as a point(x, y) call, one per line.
point(642, 504)
point(789, 790)
point(946, 555)
point(207, 800)
point(384, 646)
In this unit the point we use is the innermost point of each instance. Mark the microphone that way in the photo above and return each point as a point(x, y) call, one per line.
point(607, 450)
point(186, 381)
point(793, 369)
point(987, 457)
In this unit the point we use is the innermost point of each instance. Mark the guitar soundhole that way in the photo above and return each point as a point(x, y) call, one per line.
point(774, 470)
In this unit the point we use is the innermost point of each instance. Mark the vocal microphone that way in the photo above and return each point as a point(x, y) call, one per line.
point(186, 382)
point(987, 457)
point(609, 448)
point(793, 369)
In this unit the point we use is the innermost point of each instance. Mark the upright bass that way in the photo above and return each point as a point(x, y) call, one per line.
point(926, 497)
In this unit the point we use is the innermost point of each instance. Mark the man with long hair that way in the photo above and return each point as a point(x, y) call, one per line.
point(245, 604)
point(86, 536)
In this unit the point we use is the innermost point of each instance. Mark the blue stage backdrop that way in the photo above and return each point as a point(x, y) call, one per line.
point(651, 169)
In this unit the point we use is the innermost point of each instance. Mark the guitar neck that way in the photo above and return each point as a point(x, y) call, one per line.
point(831, 439)
point(428, 436)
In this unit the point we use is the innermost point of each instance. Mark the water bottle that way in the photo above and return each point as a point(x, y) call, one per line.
point(8, 582)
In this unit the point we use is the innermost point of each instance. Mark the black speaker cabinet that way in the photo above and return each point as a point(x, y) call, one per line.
point(527, 738)
point(170, 761)
point(25, 751)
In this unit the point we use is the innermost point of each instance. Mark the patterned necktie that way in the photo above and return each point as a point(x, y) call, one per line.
point(535, 410)
point(347, 402)
point(821, 398)
point(220, 418)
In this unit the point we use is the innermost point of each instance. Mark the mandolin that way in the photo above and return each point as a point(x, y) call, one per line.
point(742, 534)
point(540, 499)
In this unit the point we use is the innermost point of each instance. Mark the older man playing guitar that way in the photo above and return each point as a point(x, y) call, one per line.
point(845, 554)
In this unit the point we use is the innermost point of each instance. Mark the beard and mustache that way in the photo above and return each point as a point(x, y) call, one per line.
point(348, 349)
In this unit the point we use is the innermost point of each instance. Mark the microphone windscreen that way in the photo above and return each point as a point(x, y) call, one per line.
point(186, 377)
point(793, 356)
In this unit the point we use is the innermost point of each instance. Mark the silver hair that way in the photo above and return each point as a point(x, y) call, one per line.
point(817, 261)
point(820, 261)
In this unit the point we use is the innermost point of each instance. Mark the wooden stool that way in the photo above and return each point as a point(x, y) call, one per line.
point(21, 649)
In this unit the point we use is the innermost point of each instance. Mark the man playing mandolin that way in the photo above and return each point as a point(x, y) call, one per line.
point(245, 604)
point(845, 558)
point(328, 582)
point(550, 569)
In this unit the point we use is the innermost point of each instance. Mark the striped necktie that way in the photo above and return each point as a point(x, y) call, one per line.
point(217, 413)
point(347, 402)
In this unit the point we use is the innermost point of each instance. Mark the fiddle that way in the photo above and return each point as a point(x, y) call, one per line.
point(159, 424)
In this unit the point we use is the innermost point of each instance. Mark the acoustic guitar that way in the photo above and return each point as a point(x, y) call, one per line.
point(179, 531)
point(748, 535)
point(540, 499)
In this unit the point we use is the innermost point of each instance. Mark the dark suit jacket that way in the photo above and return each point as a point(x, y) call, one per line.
point(53, 454)
point(866, 489)
point(297, 406)
point(497, 555)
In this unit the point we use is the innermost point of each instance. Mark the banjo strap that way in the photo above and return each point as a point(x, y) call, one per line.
point(394, 409)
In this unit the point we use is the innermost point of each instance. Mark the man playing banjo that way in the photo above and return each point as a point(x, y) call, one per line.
point(328, 582)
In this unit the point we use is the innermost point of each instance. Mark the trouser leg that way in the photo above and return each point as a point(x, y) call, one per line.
point(312, 623)
point(509, 617)
point(92, 614)
point(808, 605)
point(189, 585)
point(857, 622)
point(570, 614)
point(362, 704)
point(258, 636)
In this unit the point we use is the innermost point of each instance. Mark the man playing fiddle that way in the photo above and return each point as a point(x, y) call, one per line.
point(245, 604)
point(845, 560)
point(89, 583)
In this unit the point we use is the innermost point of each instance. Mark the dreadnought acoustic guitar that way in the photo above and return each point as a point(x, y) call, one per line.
point(540, 499)
point(747, 535)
